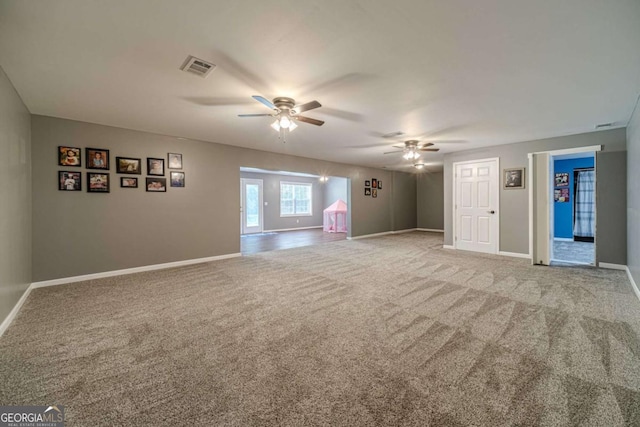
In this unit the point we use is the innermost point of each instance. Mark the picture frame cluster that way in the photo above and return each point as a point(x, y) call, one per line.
point(98, 179)
point(371, 187)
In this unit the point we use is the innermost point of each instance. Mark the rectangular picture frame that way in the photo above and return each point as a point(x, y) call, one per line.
point(97, 158)
point(374, 193)
point(177, 179)
point(367, 191)
point(128, 182)
point(513, 178)
point(98, 182)
point(374, 183)
point(155, 166)
point(174, 160)
point(129, 165)
point(156, 185)
point(69, 181)
point(69, 156)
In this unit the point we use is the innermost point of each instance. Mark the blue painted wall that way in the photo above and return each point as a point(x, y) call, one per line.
point(563, 212)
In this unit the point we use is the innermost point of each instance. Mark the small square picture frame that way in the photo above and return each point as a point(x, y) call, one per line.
point(177, 179)
point(174, 160)
point(129, 165)
point(155, 166)
point(98, 182)
point(513, 178)
point(69, 181)
point(367, 183)
point(69, 156)
point(367, 191)
point(128, 182)
point(156, 185)
point(97, 158)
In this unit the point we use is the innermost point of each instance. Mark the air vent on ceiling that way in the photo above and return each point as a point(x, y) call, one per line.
point(604, 125)
point(393, 134)
point(198, 66)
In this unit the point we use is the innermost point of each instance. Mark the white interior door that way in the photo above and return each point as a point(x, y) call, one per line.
point(476, 206)
point(251, 205)
point(542, 209)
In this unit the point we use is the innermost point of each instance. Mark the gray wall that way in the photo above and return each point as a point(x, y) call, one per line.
point(611, 232)
point(76, 233)
point(514, 204)
point(404, 201)
point(271, 196)
point(633, 196)
point(15, 196)
point(335, 188)
point(430, 200)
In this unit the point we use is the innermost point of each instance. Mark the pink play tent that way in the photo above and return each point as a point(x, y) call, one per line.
point(335, 218)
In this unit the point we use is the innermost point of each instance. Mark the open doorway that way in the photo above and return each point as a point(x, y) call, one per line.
point(287, 209)
point(574, 208)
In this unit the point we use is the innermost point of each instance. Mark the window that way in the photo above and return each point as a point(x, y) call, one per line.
point(295, 199)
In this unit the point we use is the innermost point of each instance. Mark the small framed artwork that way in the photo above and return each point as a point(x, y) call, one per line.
point(561, 195)
point(97, 158)
point(69, 181)
point(177, 179)
point(374, 183)
point(69, 156)
point(97, 182)
point(513, 178)
point(155, 166)
point(374, 193)
point(367, 191)
point(562, 179)
point(157, 184)
point(367, 183)
point(175, 161)
point(379, 185)
point(128, 182)
point(129, 165)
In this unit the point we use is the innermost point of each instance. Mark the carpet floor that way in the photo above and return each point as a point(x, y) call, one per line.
point(383, 331)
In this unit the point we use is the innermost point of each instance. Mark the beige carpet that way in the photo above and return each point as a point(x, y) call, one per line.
point(386, 331)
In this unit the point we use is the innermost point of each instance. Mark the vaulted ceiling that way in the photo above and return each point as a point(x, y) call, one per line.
point(459, 73)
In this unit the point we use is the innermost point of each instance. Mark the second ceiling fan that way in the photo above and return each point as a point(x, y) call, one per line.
point(412, 148)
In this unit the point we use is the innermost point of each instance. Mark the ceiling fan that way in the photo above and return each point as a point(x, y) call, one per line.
point(286, 112)
point(411, 149)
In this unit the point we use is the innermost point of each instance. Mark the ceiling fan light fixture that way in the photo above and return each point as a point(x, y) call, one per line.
point(292, 126)
point(411, 155)
point(419, 165)
point(276, 125)
point(285, 122)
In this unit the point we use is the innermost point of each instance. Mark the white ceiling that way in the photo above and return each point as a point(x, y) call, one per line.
point(460, 73)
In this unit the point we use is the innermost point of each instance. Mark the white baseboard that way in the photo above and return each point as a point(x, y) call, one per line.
point(612, 266)
point(432, 230)
point(291, 229)
point(366, 236)
point(448, 246)
point(406, 230)
point(633, 282)
point(112, 273)
point(514, 254)
point(14, 312)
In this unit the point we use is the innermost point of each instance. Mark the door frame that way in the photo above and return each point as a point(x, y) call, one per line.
point(260, 182)
point(455, 198)
point(532, 176)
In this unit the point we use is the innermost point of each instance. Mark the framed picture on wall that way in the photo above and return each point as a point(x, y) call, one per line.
point(367, 191)
point(69, 156)
point(128, 182)
point(97, 182)
point(69, 181)
point(175, 161)
point(129, 165)
point(97, 158)
point(157, 185)
point(374, 183)
point(155, 166)
point(367, 183)
point(379, 185)
point(562, 179)
point(513, 178)
point(177, 179)
point(374, 193)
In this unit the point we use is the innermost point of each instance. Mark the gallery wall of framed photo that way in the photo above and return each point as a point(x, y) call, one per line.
point(97, 165)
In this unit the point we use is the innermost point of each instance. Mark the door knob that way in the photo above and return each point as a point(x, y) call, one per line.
point(491, 212)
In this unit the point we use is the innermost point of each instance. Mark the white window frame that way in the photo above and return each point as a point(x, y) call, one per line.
point(306, 184)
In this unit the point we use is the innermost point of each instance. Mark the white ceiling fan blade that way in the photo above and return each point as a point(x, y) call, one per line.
point(265, 101)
